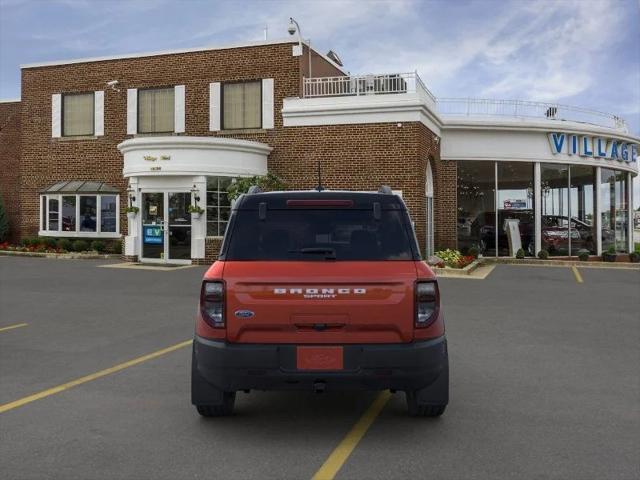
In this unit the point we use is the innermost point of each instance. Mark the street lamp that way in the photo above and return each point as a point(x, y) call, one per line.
point(293, 28)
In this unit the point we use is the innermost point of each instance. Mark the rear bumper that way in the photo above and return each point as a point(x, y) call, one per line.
point(232, 367)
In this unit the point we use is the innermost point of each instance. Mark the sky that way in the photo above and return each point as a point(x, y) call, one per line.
point(576, 52)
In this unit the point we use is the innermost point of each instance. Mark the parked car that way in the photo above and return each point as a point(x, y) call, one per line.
point(320, 291)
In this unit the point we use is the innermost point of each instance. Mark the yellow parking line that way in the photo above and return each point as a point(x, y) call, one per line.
point(576, 273)
point(334, 463)
point(88, 378)
point(11, 327)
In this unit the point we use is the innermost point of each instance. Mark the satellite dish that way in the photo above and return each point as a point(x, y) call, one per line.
point(334, 57)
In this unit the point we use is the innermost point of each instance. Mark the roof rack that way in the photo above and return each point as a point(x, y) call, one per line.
point(254, 189)
point(385, 189)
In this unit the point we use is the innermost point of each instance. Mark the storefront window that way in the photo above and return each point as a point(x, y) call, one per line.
point(108, 214)
point(614, 210)
point(69, 213)
point(218, 205)
point(581, 206)
point(87, 214)
point(476, 206)
point(515, 207)
point(554, 189)
point(53, 213)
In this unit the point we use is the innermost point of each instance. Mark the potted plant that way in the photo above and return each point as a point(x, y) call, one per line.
point(610, 255)
point(583, 255)
point(635, 256)
point(131, 212)
point(543, 254)
point(195, 211)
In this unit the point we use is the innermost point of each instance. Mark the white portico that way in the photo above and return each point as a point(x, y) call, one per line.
point(166, 175)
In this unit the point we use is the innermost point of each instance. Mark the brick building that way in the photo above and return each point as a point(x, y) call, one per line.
point(162, 131)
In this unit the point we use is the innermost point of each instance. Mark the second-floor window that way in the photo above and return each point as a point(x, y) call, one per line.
point(78, 114)
point(242, 105)
point(156, 110)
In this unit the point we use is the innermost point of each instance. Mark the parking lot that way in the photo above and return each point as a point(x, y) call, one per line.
point(544, 384)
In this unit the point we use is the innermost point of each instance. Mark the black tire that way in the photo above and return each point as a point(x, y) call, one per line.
point(417, 410)
point(223, 410)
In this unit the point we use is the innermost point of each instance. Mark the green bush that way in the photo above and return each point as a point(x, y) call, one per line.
point(474, 252)
point(98, 245)
point(4, 223)
point(611, 250)
point(268, 182)
point(80, 246)
point(520, 253)
point(116, 246)
point(583, 255)
point(28, 241)
point(634, 257)
point(48, 242)
point(65, 244)
point(543, 254)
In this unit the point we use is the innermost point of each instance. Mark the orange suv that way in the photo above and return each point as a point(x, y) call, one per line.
point(319, 290)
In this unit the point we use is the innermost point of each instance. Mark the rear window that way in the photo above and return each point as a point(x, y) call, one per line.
point(308, 234)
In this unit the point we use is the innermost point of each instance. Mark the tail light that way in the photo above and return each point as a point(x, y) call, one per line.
point(427, 303)
point(212, 303)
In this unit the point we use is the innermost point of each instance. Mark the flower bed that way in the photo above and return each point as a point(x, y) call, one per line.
point(45, 245)
point(453, 259)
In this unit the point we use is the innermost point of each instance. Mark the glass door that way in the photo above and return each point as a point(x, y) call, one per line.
point(179, 226)
point(153, 228)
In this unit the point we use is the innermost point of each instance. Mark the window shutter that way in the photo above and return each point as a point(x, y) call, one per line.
point(267, 103)
point(178, 109)
point(98, 112)
point(56, 115)
point(214, 106)
point(132, 111)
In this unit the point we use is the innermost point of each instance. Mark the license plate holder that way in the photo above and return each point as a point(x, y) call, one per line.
point(323, 358)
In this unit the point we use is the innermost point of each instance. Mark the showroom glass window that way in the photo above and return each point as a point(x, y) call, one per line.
point(77, 114)
point(242, 105)
point(218, 205)
point(476, 206)
point(78, 214)
point(156, 110)
point(515, 206)
point(614, 210)
point(554, 192)
point(582, 209)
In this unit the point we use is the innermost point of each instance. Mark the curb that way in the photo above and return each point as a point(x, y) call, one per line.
point(62, 256)
point(468, 270)
point(563, 263)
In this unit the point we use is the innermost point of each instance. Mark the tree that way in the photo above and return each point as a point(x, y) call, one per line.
point(268, 182)
point(4, 222)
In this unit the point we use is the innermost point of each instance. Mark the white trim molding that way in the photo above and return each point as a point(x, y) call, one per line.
point(178, 108)
point(132, 111)
point(396, 108)
point(98, 113)
point(56, 115)
point(267, 103)
point(182, 155)
point(214, 107)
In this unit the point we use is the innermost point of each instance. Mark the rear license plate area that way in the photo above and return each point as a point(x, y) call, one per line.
point(325, 358)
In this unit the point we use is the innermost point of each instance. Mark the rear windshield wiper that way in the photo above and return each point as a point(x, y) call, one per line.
point(329, 253)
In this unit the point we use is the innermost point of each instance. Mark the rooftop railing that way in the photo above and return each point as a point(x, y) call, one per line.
point(478, 107)
point(398, 83)
point(356, 85)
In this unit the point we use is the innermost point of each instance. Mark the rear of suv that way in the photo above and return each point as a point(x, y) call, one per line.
point(320, 291)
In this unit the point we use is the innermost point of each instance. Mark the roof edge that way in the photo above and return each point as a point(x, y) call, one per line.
point(157, 53)
point(10, 100)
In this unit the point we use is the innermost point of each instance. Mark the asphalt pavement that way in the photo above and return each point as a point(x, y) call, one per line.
point(544, 384)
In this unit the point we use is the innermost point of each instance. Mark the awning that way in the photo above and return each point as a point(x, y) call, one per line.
point(80, 186)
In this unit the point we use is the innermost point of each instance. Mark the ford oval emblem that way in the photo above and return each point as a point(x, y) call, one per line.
point(244, 313)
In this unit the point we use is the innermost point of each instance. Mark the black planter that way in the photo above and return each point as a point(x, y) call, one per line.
point(609, 257)
point(634, 257)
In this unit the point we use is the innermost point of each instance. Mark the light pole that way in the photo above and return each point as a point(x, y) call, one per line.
point(293, 28)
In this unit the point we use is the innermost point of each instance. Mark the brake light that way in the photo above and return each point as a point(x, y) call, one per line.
point(320, 203)
point(212, 303)
point(427, 303)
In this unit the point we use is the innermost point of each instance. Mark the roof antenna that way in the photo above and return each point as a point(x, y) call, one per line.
point(319, 187)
